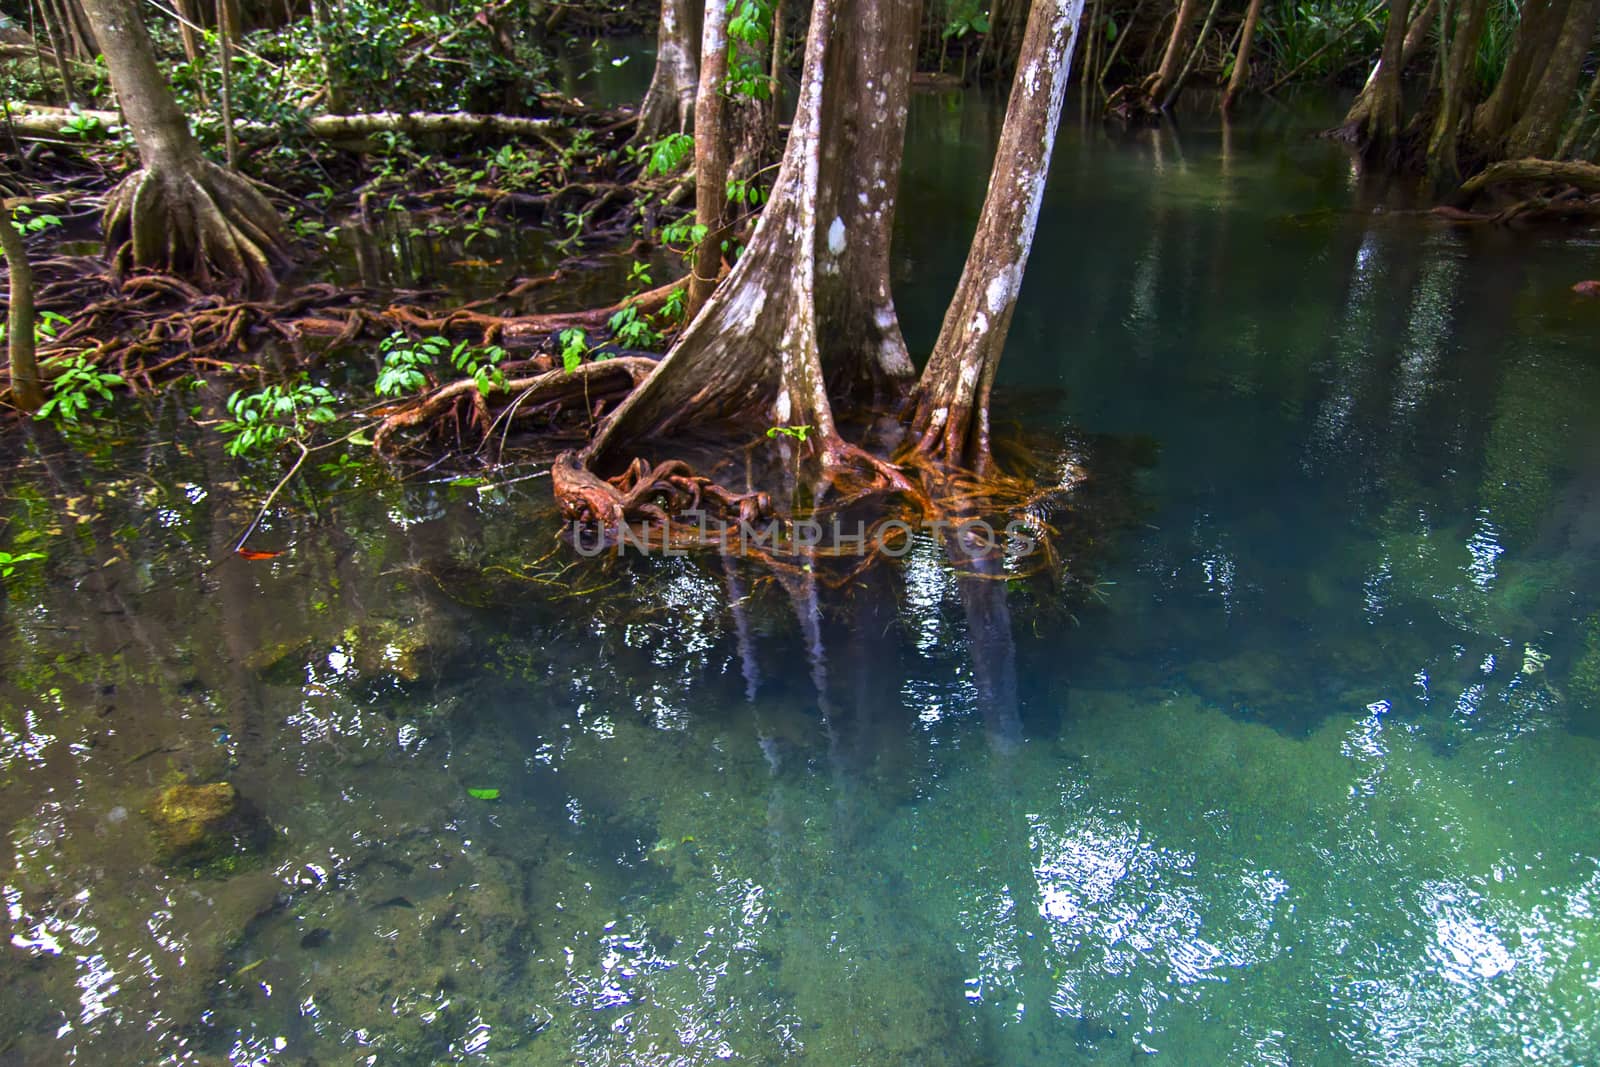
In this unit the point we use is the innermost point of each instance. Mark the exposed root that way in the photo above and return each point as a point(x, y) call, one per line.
point(197, 221)
point(645, 493)
point(585, 384)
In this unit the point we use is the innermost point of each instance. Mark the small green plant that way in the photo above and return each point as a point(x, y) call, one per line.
point(405, 361)
point(574, 346)
point(29, 222)
point(83, 126)
point(745, 192)
point(669, 154)
point(639, 276)
point(631, 330)
point(8, 562)
point(480, 363)
point(73, 389)
point(683, 234)
point(46, 325)
point(676, 304)
point(478, 227)
point(264, 420)
point(966, 16)
point(795, 433)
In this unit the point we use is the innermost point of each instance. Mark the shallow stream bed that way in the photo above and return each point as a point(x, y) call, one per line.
point(1310, 775)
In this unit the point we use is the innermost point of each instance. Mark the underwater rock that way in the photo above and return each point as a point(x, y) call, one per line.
point(197, 825)
point(409, 650)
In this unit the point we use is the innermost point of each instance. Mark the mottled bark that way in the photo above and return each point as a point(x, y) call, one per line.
point(1241, 61)
point(178, 212)
point(809, 300)
point(1538, 129)
point(1583, 176)
point(950, 406)
point(1536, 34)
point(1373, 121)
point(1445, 139)
point(26, 392)
point(1575, 127)
point(668, 105)
point(711, 151)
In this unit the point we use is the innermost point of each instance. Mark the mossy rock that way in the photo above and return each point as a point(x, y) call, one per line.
point(206, 827)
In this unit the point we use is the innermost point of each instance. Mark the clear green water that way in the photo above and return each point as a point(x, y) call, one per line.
point(1312, 778)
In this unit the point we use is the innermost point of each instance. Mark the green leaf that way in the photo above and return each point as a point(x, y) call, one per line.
point(484, 794)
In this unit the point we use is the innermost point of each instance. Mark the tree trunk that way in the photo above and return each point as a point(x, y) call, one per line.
point(710, 155)
point(1574, 128)
point(1539, 127)
point(1373, 121)
point(668, 105)
point(225, 36)
point(1171, 95)
point(26, 392)
point(1241, 62)
point(1536, 34)
point(1160, 83)
point(1445, 140)
point(188, 18)
point(178, 212)
point(809, 300)
point(950, 406)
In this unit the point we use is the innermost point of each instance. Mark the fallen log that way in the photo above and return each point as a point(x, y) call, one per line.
point(1583, 176)
point(39, 120)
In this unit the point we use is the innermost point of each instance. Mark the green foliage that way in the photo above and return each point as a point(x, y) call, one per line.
point(478, 226)
point(965, 16)
point(749, 31)
point(669, 154)
point(27, 222)
point(262, 421)
point(8, 562)
point(683, 234)
point(631, 330)
point(74, 388)
point(574, 346)
point(480, 363)
point(676, 305)
point(796, 433)
point(1494, 47)
point(745, 192)
point(406, 362)
point(46, 324)
point(1294, 32)
point(484, 794)
point(513, 168)
point(84, 127)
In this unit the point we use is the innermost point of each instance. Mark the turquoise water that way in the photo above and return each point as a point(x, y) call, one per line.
point(1303, 770)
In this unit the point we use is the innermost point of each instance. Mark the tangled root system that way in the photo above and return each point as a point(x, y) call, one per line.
point(198, 221)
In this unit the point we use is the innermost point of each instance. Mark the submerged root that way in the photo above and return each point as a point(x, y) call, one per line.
point(197, 221)
point(645, 493)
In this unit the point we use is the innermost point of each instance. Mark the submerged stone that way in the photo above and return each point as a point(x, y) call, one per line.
point(201, 825)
